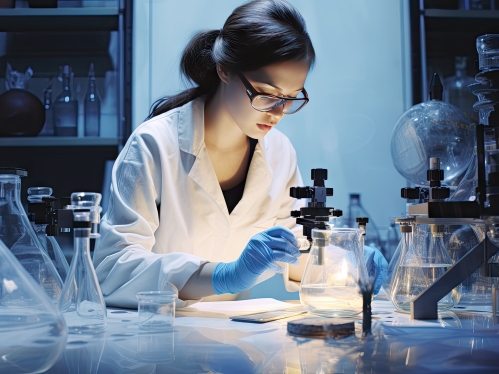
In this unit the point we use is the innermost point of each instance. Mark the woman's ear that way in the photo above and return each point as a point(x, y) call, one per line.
point(222, 74)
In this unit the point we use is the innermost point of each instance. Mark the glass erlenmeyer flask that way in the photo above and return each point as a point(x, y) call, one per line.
point(334, 274)
point(419, 267)
point(32, 329)
point(81, 302)
point(18, 235)
point(405, 241)
point(49, 243)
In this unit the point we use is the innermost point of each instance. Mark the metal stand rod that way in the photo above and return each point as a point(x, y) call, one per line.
point(424, 306)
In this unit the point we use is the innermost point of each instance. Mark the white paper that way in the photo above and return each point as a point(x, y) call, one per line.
point(242, 306)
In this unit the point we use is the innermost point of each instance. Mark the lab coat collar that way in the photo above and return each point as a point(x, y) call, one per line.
point(200, 169)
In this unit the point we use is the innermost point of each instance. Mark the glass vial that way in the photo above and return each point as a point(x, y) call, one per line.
point(48, 128)
point(49, 243)
point(92, 105)
point(66, 106)
point(81, 302)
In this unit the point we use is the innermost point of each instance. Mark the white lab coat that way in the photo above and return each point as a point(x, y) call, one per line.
point(165, 163)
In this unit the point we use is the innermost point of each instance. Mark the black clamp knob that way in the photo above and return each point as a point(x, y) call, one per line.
point(434, 177)
point(438, 193)
point(337, 213)
point(409, 193)
point(362, 220)
point(295, 213)
point(319, 175)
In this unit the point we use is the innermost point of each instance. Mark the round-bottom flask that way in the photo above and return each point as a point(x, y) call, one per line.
point(334, 274)
point(419, 268)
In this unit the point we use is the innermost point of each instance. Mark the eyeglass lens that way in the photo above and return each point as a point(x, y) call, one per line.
point(265, 103)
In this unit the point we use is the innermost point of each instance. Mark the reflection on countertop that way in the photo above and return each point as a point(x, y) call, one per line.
point(460, 341)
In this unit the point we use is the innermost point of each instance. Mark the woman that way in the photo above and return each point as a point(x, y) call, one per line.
point(200, 193)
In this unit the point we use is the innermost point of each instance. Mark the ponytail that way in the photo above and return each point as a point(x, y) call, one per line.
point(256, 34)
point(198, 66)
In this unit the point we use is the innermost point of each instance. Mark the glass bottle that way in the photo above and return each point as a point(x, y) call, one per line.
point(392, 241)
point(92, 105)
point(356, 210)
point(49, 243)
point(456, 89)
point(32, 329)
point(18, 235)
point(66, 106)
point(405, 241)
point(48, 128)
point(335, 273)
point(418, 269)
point(81, 302)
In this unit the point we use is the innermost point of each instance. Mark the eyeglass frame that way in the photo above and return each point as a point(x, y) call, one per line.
point(253, 93)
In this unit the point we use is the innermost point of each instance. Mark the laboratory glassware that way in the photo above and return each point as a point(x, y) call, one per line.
point(66, 106)
point(18, 235)
point(90, 201)
point(335, 274)
point(405, 240)
point(157, 309)
point(432, 129)
point(356, 210)
point(419, 267)
point(456, 89)
point(92, 105)
point(33, 332)
point(49, 243)
point(392, 241)
point(21, 112)
point(81, 302)
point(48, 127)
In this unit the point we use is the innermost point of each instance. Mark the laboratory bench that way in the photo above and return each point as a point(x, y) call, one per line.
point(205, 340)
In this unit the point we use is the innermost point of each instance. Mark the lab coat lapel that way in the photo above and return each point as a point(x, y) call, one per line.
point(191, 141)
point(257, 182)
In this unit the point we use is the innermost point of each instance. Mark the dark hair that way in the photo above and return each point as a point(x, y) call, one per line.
point(256, 34)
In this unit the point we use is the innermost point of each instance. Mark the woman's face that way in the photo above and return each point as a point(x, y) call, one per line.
point(283, 79)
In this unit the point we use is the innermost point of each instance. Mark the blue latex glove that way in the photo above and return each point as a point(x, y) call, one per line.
point(377, 266)
point(260, 254)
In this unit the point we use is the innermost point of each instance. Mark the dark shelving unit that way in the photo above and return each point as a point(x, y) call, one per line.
point(438, 35)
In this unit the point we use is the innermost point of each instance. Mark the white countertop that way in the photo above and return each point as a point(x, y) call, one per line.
point(204, 340)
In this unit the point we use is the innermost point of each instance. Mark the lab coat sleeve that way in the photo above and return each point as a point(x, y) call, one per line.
point(123, 258)
point(284, 217)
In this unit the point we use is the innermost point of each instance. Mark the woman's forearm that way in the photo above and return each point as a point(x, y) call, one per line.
point(199, 284)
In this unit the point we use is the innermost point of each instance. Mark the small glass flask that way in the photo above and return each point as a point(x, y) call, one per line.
point(49, 243)
point(419, 268)
point(18, 235)
point(48, 127)
point(66, 106)
point(81, 302)
point(335, 273)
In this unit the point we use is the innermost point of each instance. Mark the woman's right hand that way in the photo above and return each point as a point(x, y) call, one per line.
point(260, 254)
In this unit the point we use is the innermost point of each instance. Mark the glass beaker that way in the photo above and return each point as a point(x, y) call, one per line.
point(18, 235)
point(32, 329)
point(157, 309)
point(81, 302)
point(49, 243)
point(419, 267)
point(335, 273)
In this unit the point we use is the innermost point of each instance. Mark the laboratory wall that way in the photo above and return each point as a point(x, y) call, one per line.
point(358, 88)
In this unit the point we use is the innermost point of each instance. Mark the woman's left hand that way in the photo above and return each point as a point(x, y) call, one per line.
point(377, 266)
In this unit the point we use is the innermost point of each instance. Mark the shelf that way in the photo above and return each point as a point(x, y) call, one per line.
point(49, 141)
point(58, 19)
point(444, 13)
